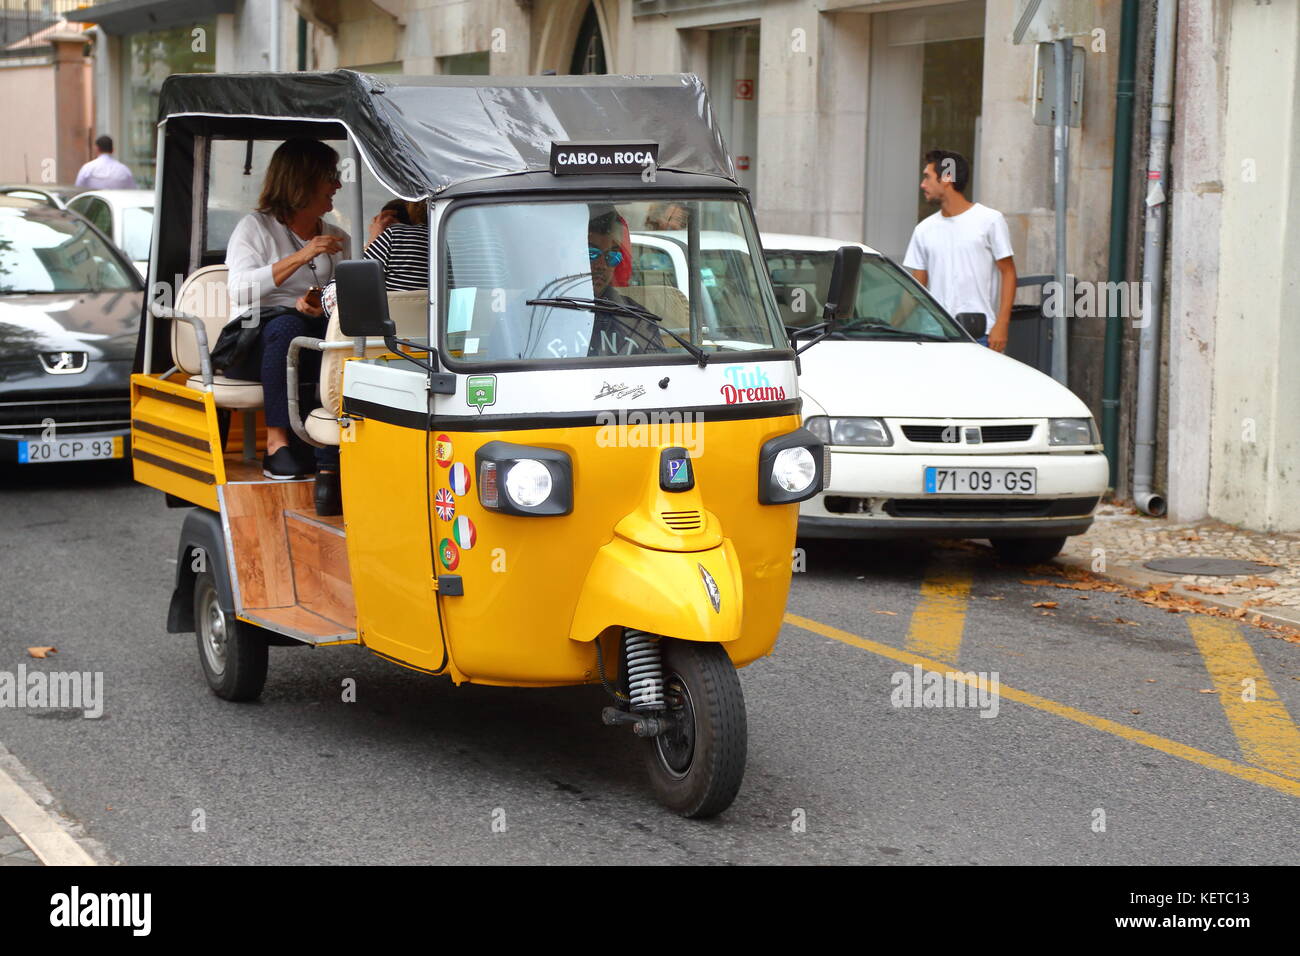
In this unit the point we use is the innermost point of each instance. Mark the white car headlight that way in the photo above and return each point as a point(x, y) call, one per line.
point(528, 483)
point(794, 470)
point(850, 431)
point(1071, 431)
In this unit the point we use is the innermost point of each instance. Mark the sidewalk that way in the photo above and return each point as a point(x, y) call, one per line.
point(1121, 541)
point(13, 851)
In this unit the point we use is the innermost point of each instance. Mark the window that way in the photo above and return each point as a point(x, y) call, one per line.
point(47, 250)
point(501, 256)
point(465, 64)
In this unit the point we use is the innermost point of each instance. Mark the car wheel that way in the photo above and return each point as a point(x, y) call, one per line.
point(234, 655)
point(1028, 550)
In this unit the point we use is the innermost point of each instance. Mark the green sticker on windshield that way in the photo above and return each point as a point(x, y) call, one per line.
point(481, 391)
point(707, 277)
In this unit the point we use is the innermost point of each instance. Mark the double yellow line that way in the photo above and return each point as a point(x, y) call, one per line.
point(1265, 732)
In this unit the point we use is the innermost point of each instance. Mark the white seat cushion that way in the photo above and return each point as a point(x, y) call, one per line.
point(323, 427)
point(230, 392)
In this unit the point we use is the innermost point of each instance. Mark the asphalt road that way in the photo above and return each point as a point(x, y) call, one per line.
point(1099, 721)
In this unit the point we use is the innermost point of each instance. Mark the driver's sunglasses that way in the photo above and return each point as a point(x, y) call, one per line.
point(613, 256)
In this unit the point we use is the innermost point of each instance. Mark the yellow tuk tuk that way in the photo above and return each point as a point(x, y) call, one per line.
point(575, 458)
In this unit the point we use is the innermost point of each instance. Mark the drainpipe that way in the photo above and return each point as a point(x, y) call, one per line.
point(1121, 173)
point(273, 61)
point(1153, 262)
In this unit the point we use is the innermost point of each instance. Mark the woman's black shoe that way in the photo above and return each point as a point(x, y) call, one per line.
point(329, 496)
point(282, 466)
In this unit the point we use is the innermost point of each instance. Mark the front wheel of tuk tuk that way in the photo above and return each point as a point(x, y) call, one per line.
point(696, 766)
point(233, 655)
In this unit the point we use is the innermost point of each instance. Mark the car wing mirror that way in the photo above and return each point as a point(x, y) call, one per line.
point(972, 323)
point(363, 299)
point(842, 296)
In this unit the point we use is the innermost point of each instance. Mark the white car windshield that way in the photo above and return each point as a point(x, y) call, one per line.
point(889, 302)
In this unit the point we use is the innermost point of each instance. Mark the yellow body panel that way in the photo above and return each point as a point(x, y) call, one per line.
point(525, 577)
point(175, 440)
point(383, 471)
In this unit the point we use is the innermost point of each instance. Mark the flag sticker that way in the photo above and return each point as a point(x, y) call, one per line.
point(444, 504)
point(459, 479)
point(448, 554)
point(442, 450)
point(464, 532)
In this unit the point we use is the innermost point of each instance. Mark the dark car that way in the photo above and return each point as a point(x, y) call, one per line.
point(69, 312)
point(51, 195)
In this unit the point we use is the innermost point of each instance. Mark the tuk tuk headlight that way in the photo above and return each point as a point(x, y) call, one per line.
point(524, 480)
point(528, 483)
point(791, 468)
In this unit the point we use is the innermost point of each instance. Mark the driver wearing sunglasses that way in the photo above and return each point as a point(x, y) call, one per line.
point(611, 334)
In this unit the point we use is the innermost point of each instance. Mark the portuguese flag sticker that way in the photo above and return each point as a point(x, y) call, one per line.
point(448, 554)
point(464, 532)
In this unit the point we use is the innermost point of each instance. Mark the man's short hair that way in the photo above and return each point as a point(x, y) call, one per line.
point(104, 144)
point(950, 167)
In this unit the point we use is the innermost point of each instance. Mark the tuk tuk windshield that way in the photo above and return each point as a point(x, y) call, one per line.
point(548, 281)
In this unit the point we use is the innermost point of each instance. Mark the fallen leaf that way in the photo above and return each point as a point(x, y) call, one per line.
point(1151, 680)
point(1207, 690)
point(1047, 613)
point(1135, 711)
point(1255, 581)
point(1045, 604)
point(1191, 537)
point(997, 597)
point(890, 613)
point(42, 652)
point(1209, 588)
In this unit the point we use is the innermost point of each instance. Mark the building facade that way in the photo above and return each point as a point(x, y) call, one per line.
point(827, 107)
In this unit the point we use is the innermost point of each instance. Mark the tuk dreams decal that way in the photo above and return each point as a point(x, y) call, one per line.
point(750, 385)
point(449, 554)
point(442, 451)
point(460, 479)
point(444, 504)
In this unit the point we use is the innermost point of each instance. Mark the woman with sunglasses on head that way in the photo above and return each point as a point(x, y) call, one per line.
point(280, 257)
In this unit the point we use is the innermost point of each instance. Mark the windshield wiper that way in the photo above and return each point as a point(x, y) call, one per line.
point(875, 325)
point(626, 309)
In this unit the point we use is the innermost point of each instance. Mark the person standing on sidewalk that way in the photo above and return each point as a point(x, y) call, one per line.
point(104, 171)
point(962, 253)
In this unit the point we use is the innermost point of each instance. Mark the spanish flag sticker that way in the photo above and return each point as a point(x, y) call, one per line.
point(464, 532)
point(442, 450)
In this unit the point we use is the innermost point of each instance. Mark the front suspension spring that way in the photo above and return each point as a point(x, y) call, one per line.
point(645, 681)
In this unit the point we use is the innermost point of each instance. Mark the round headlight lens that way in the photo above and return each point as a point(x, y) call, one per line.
point(528, 483)
point(794, 470)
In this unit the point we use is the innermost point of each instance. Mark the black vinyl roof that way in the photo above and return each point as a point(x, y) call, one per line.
point(422, 134)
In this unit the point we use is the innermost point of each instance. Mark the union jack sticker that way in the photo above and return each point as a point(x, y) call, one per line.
point(444, 504)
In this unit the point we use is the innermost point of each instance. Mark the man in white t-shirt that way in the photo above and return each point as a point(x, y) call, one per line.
point(962, 253)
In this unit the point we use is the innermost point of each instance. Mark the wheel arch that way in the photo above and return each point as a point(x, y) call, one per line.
point(201, 531)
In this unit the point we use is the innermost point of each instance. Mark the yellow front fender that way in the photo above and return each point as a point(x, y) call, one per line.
point(661, 592)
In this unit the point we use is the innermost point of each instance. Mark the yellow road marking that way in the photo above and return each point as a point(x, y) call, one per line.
point(940, 616)
point(1265, 731)
point(1172, 747)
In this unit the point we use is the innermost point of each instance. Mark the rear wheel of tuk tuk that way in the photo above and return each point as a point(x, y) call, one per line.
point(233, 655)
point(697, 764)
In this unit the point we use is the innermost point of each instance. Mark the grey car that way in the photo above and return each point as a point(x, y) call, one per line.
point(70, 308)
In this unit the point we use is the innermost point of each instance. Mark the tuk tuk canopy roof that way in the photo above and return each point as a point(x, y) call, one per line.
point(421, 134)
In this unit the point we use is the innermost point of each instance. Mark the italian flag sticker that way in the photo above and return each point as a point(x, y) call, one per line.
point(448, 554)
point(464, 532)
point(459, 479)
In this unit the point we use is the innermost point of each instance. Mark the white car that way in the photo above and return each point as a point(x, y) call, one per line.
point(931, 434)
point(125, 216)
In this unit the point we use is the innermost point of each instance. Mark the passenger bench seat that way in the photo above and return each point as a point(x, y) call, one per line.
point(205, 294)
